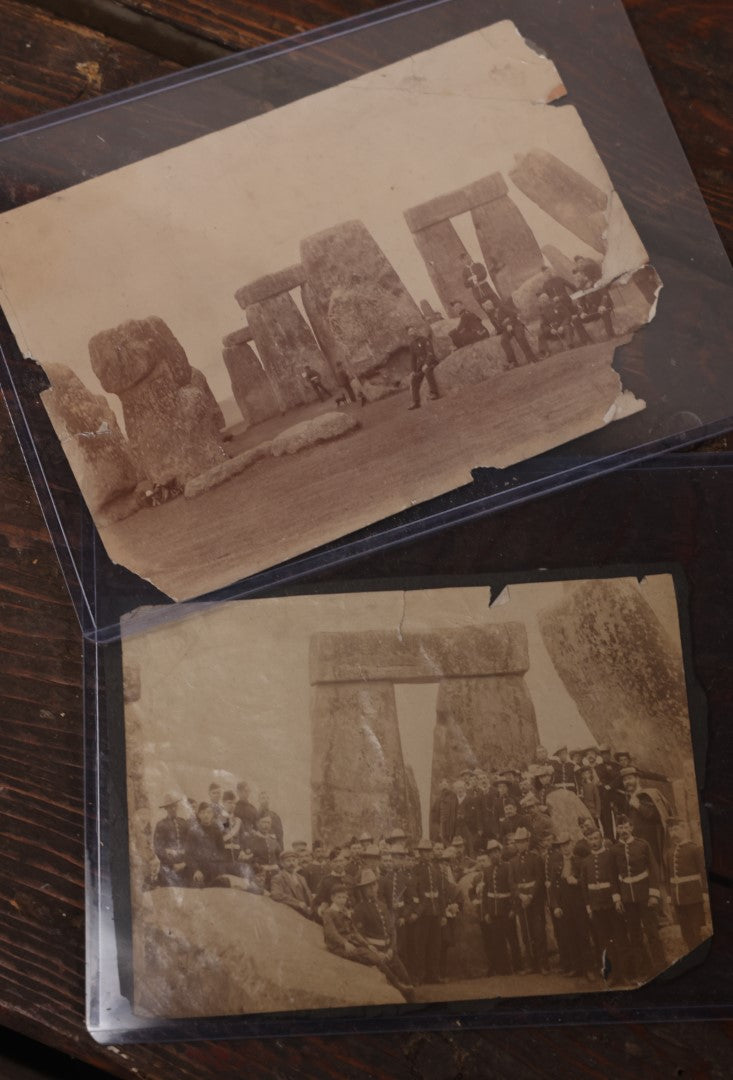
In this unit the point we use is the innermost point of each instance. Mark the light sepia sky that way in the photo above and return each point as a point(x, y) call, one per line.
point(229, 689)
point(177, 234)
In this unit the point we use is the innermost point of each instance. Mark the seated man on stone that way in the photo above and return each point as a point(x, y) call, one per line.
point(169, 840)
point(276, 825)
point(335, 874)
point(205, 854)
point(289, 887)
point(343, 939)
point(505, 319)
point(469, 330)
point(374, 925)
point(595, 305)
point(265, 850)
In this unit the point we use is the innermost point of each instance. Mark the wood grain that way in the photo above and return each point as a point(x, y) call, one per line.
point(45, 62)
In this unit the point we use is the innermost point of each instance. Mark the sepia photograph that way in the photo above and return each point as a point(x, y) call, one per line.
point(274, 335)
point(456, 793)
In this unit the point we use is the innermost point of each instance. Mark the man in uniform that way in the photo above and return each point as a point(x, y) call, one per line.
point(335, 875)
point(243, 808)
point(600, 885)
point(265, 849)
point(422, 358)
point(687, 883)
point(343, 939)
point(528, 886)
point(564, 770)
point(642, 809)
point(565, 898)
point(313, 379)
point(430, 901)
point(496, 912)
point(639, 889)
point(169, 843)
point(470, 328)
point(205, 855)
point(397, 890)
point(276, 825)
point(510, 329)
point(475, 278)
point(289, 887)
point(373, 921)
point(609, 781)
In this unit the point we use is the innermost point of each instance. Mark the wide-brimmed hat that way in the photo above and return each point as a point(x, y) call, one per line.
point(169, 799)
point(522, 834)
point(366, 877)
point(492, 845)
point(424, 845)
point(629, 770)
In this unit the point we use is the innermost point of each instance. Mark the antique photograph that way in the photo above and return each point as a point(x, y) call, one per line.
point(274, 335)
point(422, 795)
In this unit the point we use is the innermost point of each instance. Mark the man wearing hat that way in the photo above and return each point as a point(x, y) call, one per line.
point(397, 838)
point(600, 885)
point(169, 842)
point(528, 885)
point(263, 844)
point(564, 769)
point(646, 810)
point(343, 938)
point(397, 891)
point(335, 874)
point(465, 814)
point(373, 921)
point(639, 888)
point(609, 781)
point(205, 855)
point(687, 883)
point(565, 900)
point(443, 814)
point(496, 914)
point(430, 901)
point(289, 887)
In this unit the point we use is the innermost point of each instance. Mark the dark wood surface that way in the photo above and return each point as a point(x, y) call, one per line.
point(63, 52)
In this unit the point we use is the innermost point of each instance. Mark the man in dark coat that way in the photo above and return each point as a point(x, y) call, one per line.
point(444, 813)
point(510, 329)
point(475, 278)
point(169, 843)
point(205, 855)
point(374, 922)
point(567, 907)
point(289, 887)
point(493, 891)
point(276, 825)
point(430, 901)
point(470, 329)
point(311, 376)
point(265, 849)
point(642, 807)
point(422, 359)
point(639, 888)
point(243, 808)
point(600, 885)
point(528, 886)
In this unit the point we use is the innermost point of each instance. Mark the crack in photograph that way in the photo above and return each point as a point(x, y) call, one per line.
point(274, 335)
point(429, 795)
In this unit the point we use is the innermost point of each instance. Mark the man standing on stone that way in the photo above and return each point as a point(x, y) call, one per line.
point(564, 770)
point(169, 842)
point(265, 849)
point(276, 825)
point(443, 816)
point(469, 330)
point(639, 889)
point(475, 278)
point(311, 376)
point(422, 357)
point(642, 810)
point(243, 808)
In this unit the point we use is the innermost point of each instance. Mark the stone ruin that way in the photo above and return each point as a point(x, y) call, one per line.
point(626, 677)
point(171, 417)
point(252, 387)
point(98, 452)
point(485, 715)
point(563, 193)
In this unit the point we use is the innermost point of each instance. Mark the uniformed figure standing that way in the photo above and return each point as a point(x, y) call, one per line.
point(687, 883)
point(422, 357)
point(528, 886)
point(496, 912)
point(428, 915)
point(565, 900)
point(169, 843)
point(639, 888)
point(397, 884)
point(599, 882)
point(564, 769)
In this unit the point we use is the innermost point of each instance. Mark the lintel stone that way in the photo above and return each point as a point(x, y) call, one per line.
point(262, 288)
point(237, 337)
point(456, 202)
point(366, 655)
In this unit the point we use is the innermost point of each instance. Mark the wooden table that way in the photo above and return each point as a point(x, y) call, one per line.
point(65, 51)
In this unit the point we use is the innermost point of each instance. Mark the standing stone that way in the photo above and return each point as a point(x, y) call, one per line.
point(622, 671)
point(213, 408)
point(286, 344)
point(452, 752)
point(358, 777)
point(413, 825)
point(318, 318)
point(97, 451)
point(252, 389)
point(168, 425)
point(495, 716)
point(564, 194)
point(508, 245)
point(442, 250)
point(560, 264)
point(365, 303)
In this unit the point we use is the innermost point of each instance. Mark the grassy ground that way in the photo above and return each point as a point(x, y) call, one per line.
point(282, 507)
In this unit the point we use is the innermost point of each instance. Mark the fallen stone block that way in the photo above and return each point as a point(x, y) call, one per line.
point(221, 473)
point(331, 425)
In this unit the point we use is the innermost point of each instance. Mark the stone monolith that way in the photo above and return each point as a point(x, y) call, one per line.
point(563, 193)
point(251, 386)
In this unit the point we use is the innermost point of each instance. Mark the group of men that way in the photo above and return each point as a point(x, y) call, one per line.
point(500, 877)
point(564, 309)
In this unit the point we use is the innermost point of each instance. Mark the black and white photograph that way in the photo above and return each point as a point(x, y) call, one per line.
point(274, 335)
point(436, 794)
